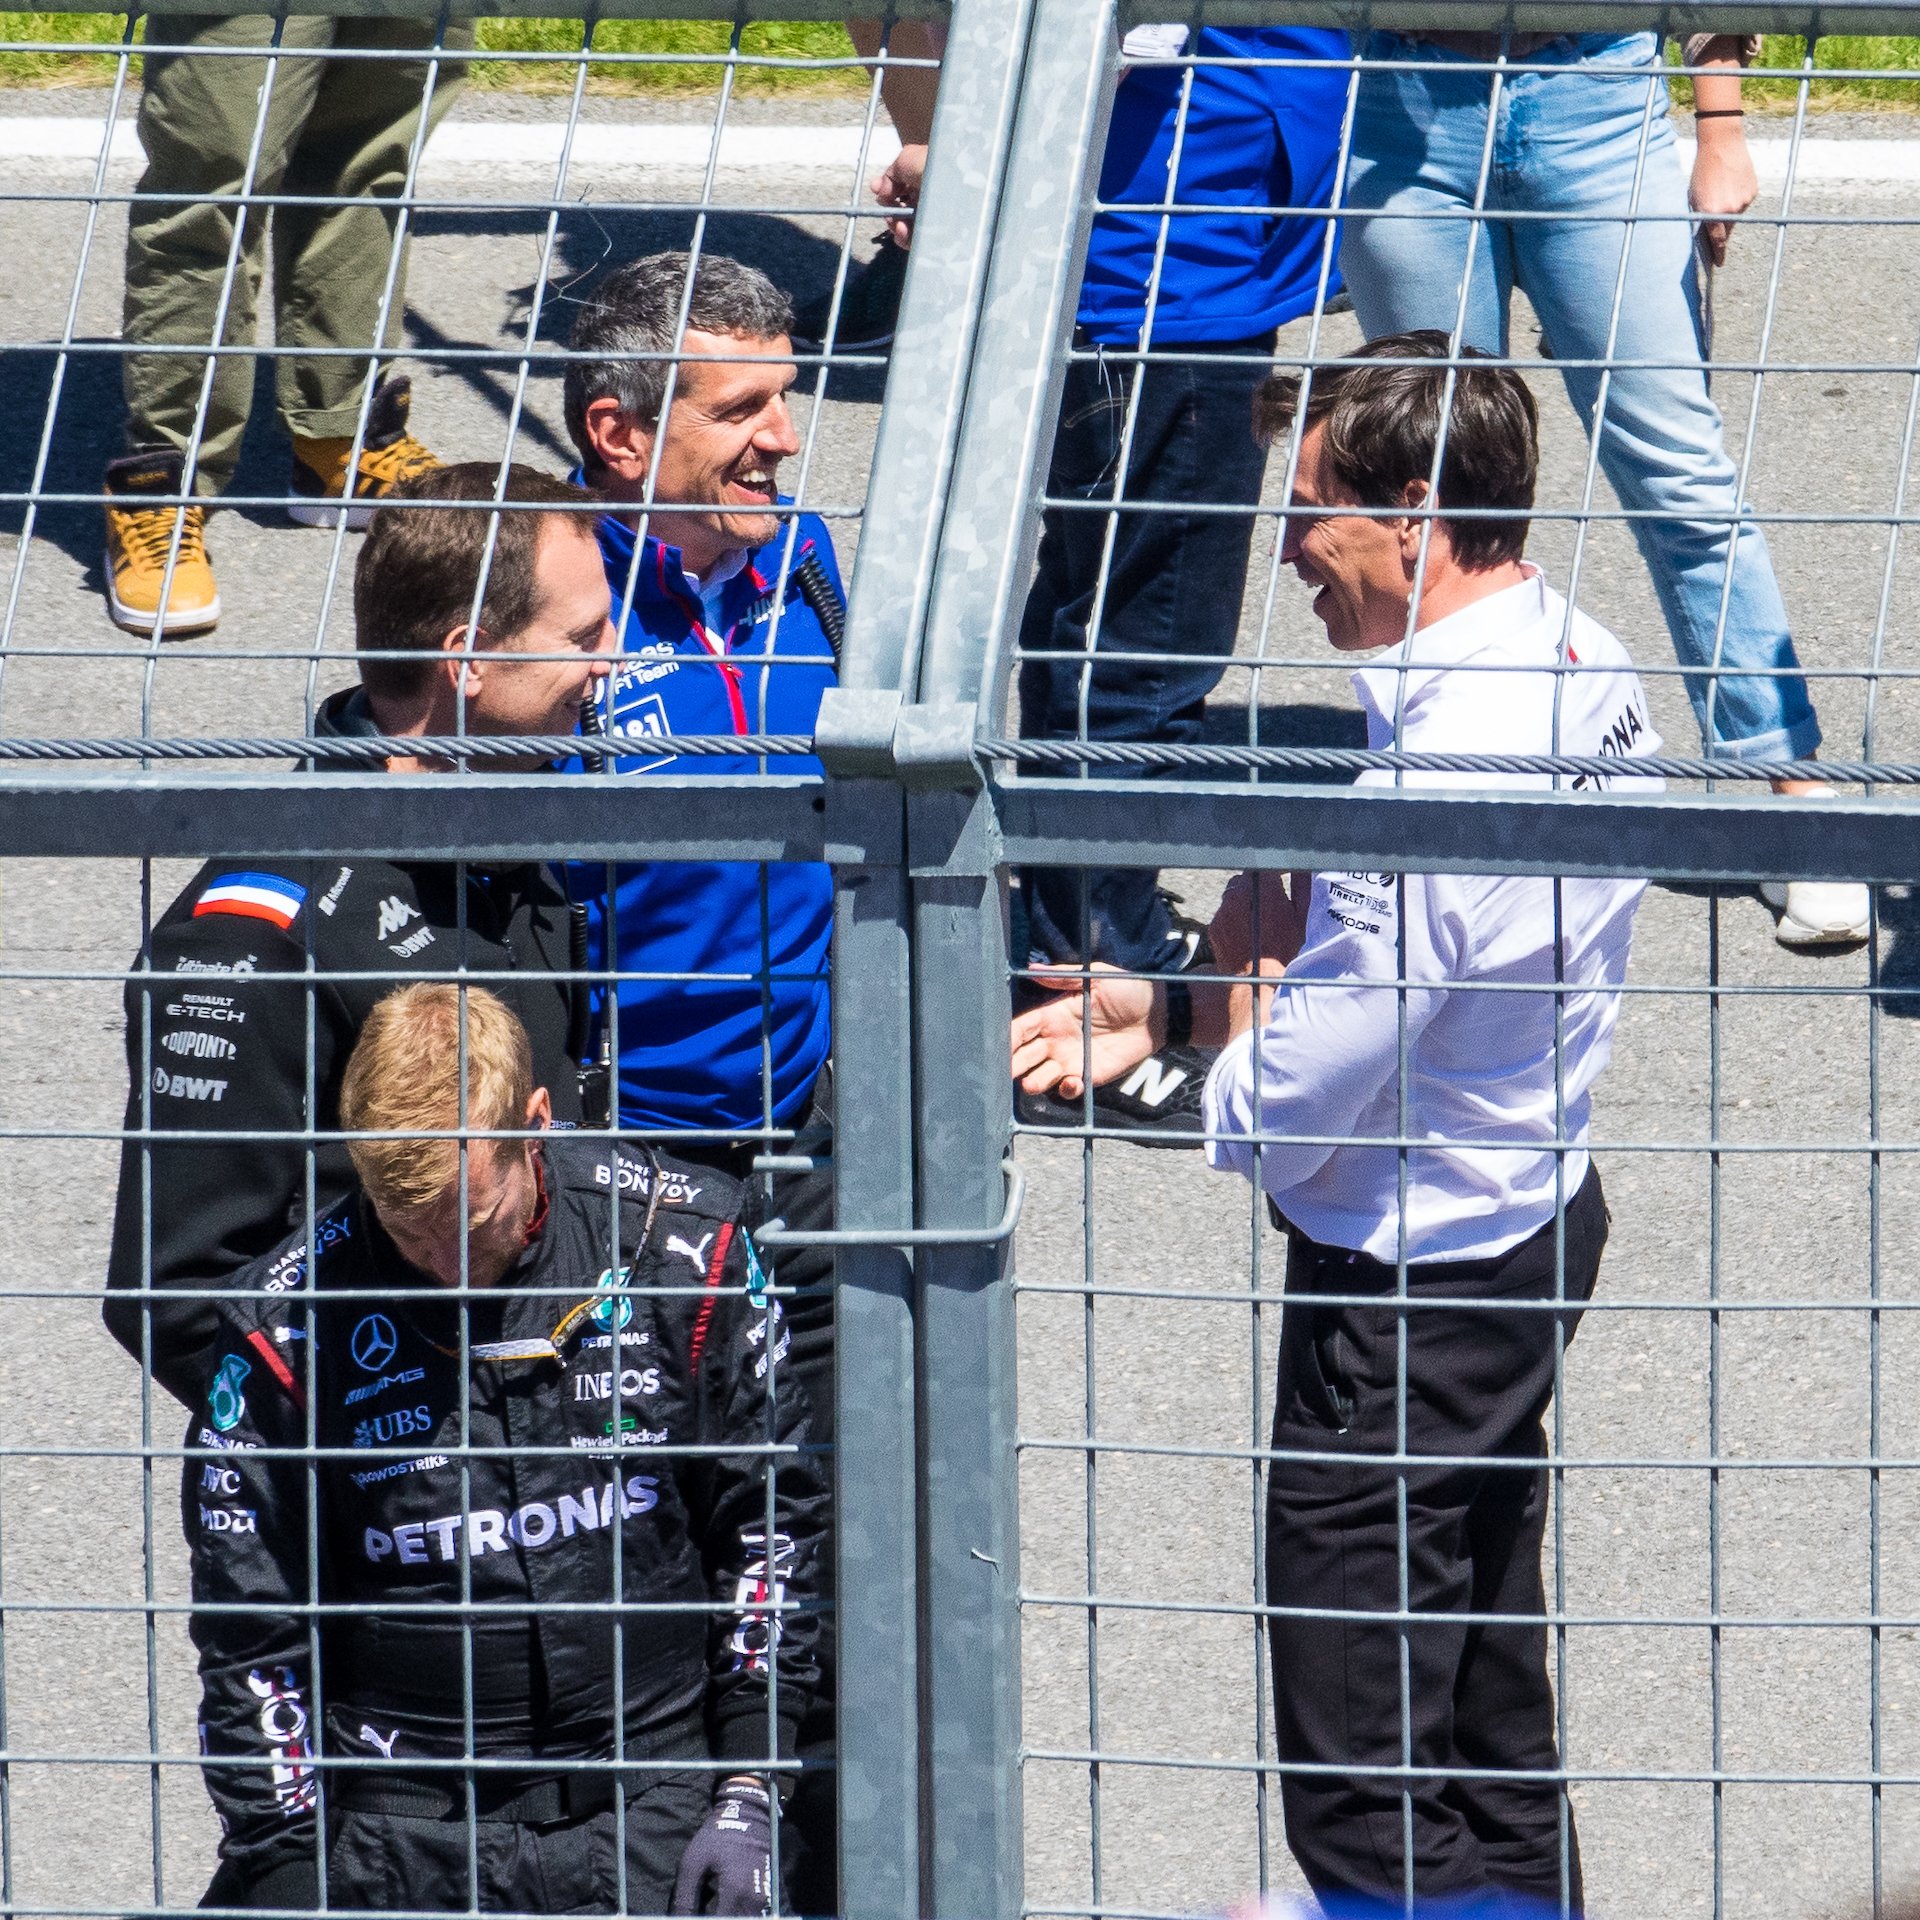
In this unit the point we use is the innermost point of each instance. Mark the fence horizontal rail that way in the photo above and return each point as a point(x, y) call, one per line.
point(1712, 1619)
point(1156, 754)
point(1079, 823)
point(480, 817)
point(1572, 1776)
point(1557, 1463)
point(363, 749)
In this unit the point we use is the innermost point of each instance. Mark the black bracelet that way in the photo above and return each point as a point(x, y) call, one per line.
point(1179, 1013)
point(1720, 113)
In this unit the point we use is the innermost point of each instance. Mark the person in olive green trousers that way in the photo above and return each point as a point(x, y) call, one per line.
point(331, 128)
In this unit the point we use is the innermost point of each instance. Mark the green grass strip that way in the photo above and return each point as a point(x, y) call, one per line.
point(816, 41)
point(775, 40)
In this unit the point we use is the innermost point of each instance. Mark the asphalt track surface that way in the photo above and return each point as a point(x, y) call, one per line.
point(1644, 1389)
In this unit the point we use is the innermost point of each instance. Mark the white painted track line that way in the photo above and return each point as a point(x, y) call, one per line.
point(469, 147)
point(494, 146)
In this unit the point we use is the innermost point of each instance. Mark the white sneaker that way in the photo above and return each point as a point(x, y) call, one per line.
point(1817, 913)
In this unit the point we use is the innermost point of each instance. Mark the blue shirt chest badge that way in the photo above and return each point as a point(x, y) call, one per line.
point(642, 719)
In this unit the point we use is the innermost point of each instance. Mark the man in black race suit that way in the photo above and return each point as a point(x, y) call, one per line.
point(217, 1011)
point(588, 1420)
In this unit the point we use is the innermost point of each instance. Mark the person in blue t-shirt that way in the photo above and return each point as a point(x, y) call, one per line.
point(1255, 138)
point(729, 612)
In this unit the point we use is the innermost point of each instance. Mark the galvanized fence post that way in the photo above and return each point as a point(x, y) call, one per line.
point(970, 1499)
point(882, 1606)
point(969, 1487)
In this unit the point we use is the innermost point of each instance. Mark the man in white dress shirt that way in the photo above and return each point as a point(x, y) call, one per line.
point(1469, 1172)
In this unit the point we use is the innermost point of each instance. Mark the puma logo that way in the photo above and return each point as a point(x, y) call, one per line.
point(698, 1255)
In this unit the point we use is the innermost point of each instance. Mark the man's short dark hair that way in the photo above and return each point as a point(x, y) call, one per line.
point(636, 309)
point(1383, 420)
point(418, 568)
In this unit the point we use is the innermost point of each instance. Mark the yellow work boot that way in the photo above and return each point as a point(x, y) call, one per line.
point(388, 455)
point(140, 540)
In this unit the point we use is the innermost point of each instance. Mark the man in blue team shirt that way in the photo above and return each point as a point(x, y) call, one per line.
point(729, 614)
point(1255, 138)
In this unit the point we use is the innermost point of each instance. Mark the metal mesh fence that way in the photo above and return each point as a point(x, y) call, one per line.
point(1199, 1526)
point(1054, 636)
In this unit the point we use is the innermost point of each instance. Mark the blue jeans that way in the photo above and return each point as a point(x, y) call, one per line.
point(1174, 584)
point(1568, 142)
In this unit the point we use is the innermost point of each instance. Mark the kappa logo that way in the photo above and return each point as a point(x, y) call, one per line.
point(394, 914)
point(202, 1046)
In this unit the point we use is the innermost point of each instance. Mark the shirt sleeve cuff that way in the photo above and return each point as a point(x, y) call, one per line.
point(742, 1735)
point(1224, 1103)
point(1694, 48)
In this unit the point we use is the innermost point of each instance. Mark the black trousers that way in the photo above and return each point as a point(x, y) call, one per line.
point(1173, 588)
point(385, 1862)
point(1477, 1702)
point(808, 1831)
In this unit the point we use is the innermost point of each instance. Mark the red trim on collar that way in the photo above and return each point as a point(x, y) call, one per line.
point(540, 1212)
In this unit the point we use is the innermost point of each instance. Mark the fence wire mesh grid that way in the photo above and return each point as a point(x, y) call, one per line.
point(1069, 1707)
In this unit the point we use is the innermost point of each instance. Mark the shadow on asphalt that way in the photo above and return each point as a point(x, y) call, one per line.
point(87, 424)
point(87, 429)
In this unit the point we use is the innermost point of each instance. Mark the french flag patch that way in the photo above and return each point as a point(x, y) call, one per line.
point(253, 896)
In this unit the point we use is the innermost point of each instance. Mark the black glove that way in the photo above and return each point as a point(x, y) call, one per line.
point(728, 1864)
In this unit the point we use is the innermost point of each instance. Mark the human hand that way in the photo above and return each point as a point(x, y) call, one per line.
point(1723, 181)
point(1099, 1030)
point(898, 185)
point(1268, 908)
point(728, 1864)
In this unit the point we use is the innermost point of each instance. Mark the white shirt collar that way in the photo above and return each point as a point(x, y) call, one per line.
point(1447, 643)
point(717, 575)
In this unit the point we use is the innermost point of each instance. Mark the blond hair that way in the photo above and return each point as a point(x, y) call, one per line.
point(404, 1078)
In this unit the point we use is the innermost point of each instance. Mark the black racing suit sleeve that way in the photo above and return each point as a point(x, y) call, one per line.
point(245, 1515)
point(746, 1396)
point(220, 1052)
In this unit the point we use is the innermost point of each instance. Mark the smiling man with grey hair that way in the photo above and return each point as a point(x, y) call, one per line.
point(728, 603)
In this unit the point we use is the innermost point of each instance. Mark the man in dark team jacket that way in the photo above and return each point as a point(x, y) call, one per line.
point(487, 1447)
point(217, 1030)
